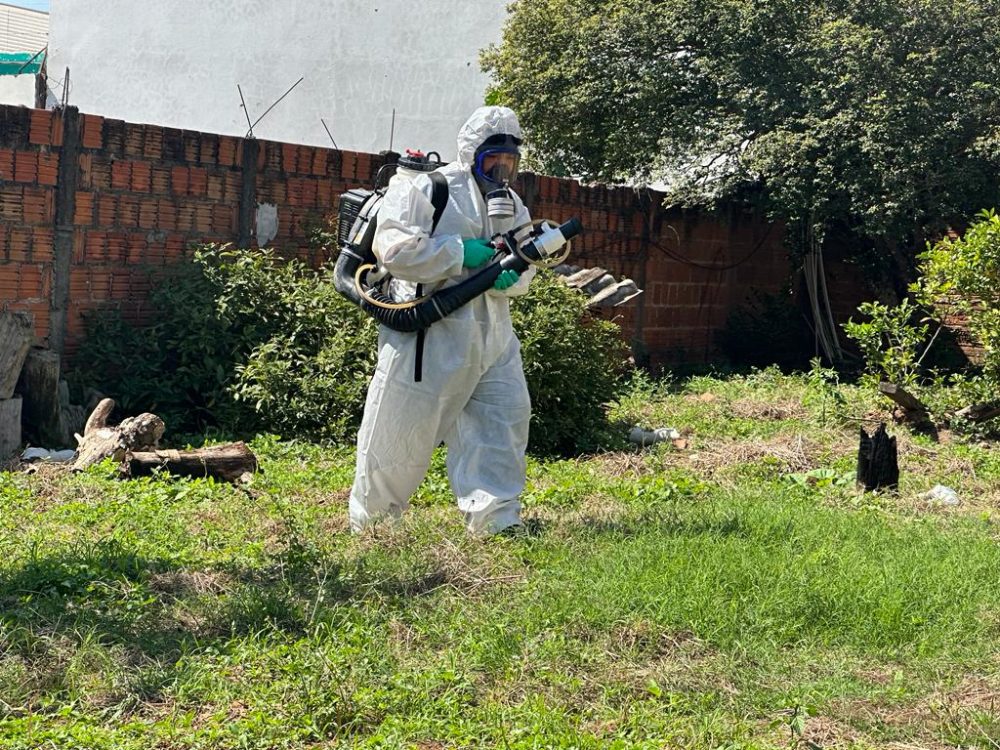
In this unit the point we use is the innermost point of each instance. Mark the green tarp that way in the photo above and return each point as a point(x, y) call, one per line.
point(14, 63)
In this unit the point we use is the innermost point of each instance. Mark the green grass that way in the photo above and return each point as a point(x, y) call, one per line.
point(696, 598)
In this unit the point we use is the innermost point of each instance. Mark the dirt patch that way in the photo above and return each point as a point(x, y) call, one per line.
point(178, 583)
point(621, 465)
point(788, 452)
point(767, 410)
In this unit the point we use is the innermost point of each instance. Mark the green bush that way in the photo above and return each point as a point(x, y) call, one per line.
point(243, 341)
point(958, 277)
point(962, 276)
point(768, 329)
point(573, 362)
point(892, 341)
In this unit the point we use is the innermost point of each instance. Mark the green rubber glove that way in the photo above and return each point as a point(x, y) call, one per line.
point(477, 252)
point(506, 279)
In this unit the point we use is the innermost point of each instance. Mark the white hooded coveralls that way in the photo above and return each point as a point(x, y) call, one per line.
point(471, 393)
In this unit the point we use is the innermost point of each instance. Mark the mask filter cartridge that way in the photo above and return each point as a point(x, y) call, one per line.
point(500, 204)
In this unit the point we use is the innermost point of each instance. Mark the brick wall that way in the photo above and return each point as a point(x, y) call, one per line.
point(92, 208)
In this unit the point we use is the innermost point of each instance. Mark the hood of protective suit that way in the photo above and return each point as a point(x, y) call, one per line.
point(482, 124)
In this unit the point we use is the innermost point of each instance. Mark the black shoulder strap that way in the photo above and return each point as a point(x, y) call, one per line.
point(439, 198)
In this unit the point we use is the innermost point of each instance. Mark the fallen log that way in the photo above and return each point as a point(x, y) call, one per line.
point(99, 441)
point(980, 412)
point(230, 462)
point(911, 405)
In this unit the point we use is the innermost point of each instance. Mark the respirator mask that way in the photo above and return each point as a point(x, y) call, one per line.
point(495, 167)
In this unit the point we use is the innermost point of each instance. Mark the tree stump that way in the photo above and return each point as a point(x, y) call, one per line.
point(226, 462)
point(878, 461)
point(99, 441)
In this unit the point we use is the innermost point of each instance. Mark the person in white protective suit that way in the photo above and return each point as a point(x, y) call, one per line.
point(466, 387)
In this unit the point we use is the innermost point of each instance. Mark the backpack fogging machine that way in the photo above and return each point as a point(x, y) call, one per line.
point(542, 244)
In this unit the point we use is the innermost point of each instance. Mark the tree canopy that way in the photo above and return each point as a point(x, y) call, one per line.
point(882, 116)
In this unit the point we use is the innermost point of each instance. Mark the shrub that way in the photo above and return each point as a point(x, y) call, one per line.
point(892, 340)
point(243, 341)
point(962, 276)
point(768, 329)
point(573, 362)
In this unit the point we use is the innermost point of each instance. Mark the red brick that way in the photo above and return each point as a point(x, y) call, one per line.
point(38, 206)
point(185, 217)
point(107, 207)
point(203, 218)
point(234, 185)
point(121, 174)
point(142, 174)
point(227, 151)
point(224, 220)
point(319, 158)
point(42, 244)
point(100, 174)
point(134, 137)
point(348, 165)
point(25, 166)
point(179, 177)
point(309, 193)
point(174, 247)
point(121, 285)
point(12, 204)
point(147, 214)
point(198, 181)
point(79, 248)
point(289, 158)
point(40, 132)
point(84, 208)
point(30, 283)
point(57, 128)
point(161, 180)
point(92, 135)
point(19, 244)
point(8, 282)
point(216, 186)
point(152, 147)
point(117, 247)
point(128, 211)
point(100, 285)
point(364, 169)
point(166, 216)
point(137, 249)
point(6, 164)
point(96, 246)
point(48, 169)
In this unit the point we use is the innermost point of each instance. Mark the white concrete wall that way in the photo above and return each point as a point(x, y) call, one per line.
point(18, 89)
point(178, 62)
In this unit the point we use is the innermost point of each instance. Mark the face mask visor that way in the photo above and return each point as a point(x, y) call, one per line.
point(498, 167)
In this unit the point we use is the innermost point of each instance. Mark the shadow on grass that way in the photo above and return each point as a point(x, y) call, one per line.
point(108, 594)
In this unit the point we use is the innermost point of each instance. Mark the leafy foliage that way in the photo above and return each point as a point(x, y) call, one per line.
point(961, 276)
point(890, 341)
point(767, 329)
point(875, 116)
point(958, 282)
point(245, 341)
point(240, 340)
point(573, 363)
